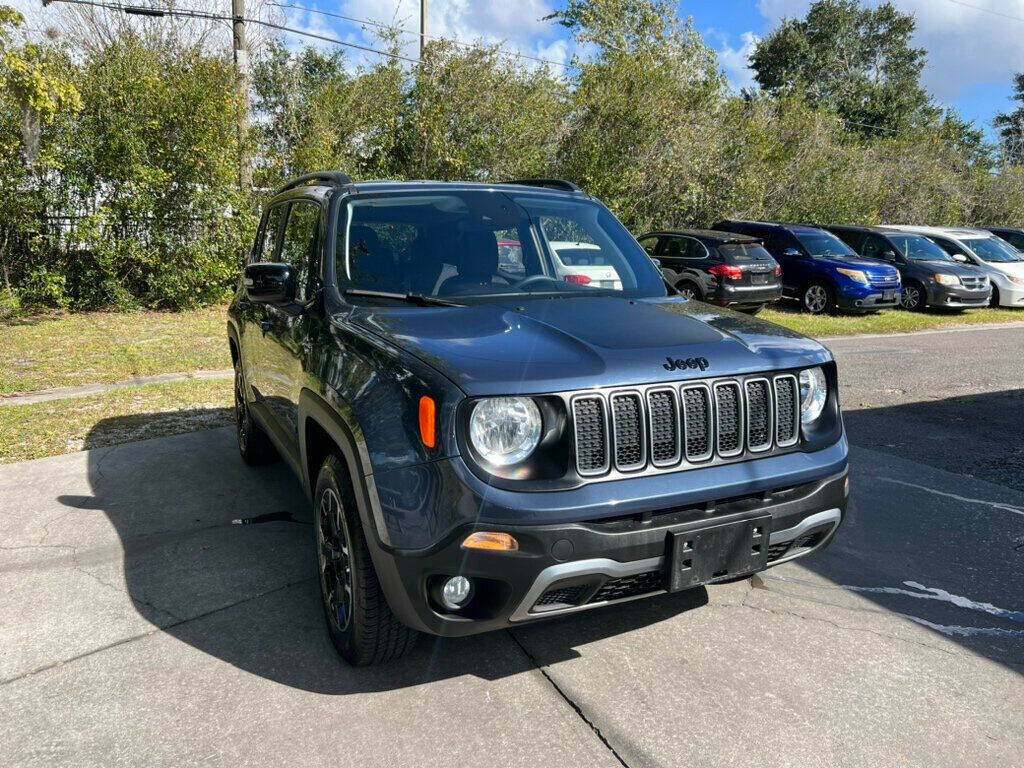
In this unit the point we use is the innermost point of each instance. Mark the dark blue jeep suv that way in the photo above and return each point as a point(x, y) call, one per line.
point(821, 271)
point(485, 446)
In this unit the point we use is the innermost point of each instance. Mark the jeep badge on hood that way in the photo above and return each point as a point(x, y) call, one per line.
point(681, 364)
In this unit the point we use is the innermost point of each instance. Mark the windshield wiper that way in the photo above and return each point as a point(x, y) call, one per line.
point(413, 298)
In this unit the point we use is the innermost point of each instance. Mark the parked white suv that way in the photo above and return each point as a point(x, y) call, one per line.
point(1003, 263)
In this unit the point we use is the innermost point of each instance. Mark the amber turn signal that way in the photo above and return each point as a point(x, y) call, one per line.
point(428, 421)
point(499, 542)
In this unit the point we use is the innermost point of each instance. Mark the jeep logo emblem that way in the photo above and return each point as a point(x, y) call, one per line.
point(681, 364)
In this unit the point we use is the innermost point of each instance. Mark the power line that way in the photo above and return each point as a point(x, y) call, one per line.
point(987, 10)
point(135, 10)
point(380, 25)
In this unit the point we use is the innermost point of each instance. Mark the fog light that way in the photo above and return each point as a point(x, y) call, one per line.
point(455, 592)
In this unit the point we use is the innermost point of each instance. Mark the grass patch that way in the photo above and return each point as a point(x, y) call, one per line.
point(891, 321)
point(121, 416)
point(93, 347)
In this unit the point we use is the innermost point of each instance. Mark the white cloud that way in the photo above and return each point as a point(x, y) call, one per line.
point(966, 46)
point(735, 61)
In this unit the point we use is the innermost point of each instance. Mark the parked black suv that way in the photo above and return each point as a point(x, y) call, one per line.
point(820, 271)
point(930, 276)
point(484, 448)
point(722, 268)
point(1013, 235)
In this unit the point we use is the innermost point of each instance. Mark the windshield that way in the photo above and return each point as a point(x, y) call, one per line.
point(476, 245)
point(823, 244)
point(744, 252)
point(918, 248)
point(993, 249)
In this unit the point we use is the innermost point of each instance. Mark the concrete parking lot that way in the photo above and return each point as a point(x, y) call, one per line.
point(157, 607)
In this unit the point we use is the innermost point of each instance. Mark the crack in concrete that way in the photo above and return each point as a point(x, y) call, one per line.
point(155, 630)
point(568, 700)
point(845, 627)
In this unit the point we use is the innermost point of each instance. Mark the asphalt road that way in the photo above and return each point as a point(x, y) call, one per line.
point(140, 626)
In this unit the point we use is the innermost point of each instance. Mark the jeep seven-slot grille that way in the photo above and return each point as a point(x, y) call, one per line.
point(695, 422)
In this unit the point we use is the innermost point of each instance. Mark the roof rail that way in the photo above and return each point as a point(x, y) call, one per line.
point(327, 178)
point(562, 184)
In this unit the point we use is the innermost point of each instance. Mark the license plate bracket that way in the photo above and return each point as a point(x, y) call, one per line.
point(889, 295)
point(725, 550)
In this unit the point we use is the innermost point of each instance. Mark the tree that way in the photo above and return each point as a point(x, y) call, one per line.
point(1010, 125)
point(854, 59)
point(642, 132)
point(35, 94)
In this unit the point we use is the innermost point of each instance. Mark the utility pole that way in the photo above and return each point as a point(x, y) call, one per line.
point(423, 26)
point(241, 53)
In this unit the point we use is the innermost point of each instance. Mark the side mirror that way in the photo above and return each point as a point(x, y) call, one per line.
point(961, 258)
point(269, 283)
point(792, 253)
point(888, 255)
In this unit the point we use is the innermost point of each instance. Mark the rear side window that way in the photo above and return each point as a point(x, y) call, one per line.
point(650, 244)
point(744, 252)
point(875, 246)
point(854, 239)
point(266, 240)
point(299, 243)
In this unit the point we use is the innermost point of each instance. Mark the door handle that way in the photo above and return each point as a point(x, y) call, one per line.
point(265, 326)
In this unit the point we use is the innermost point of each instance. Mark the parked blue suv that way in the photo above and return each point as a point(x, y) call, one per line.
point(821, 271)
point(486, 442)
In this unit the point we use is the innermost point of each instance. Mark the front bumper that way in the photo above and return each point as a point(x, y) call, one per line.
point(1011, 296)
point(868, 298)
point(955, 297)
point(574, 566)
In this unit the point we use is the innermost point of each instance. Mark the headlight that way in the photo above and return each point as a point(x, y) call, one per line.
point(947, 279)
point(1017, 280)
point(854, 274)
point(505, 430)
point(813, 394)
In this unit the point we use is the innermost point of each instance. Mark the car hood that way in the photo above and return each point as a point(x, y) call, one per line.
point(1015, 268)
point(534, 346)
point(873, 268)
point(950, 268)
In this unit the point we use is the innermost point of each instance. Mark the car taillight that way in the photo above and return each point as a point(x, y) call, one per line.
point(727, 270)
point(578, 279)
point(778, 271)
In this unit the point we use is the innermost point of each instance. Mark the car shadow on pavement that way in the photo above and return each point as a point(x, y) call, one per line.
point(935, 528)
point(219, 555)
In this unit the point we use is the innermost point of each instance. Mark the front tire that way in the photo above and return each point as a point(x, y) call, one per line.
point(994, 301)
point(359, 620)
point(913, 298)
point(253, 444)
point(817, 298)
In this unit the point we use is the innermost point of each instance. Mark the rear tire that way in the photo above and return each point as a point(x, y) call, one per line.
point(359, 620)
point(913, 298)
point(689, 290)
point(253, 444)
point(817, 298)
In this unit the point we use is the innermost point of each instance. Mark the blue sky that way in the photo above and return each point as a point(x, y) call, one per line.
point(974, 46)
